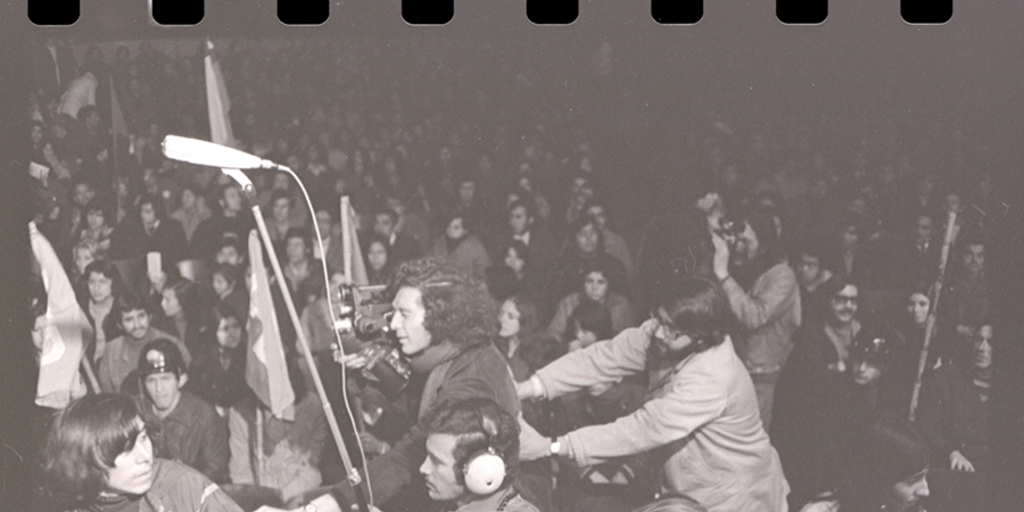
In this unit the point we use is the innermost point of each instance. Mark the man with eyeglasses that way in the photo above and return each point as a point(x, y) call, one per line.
point(700, 421)
point(818, 366)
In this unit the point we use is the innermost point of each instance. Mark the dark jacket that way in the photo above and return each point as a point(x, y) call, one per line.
point(952, 417)
point(209, 380)
point(192, 433)
point(477, 371)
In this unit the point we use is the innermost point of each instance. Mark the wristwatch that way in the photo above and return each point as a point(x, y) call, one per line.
point(309, 508)
point(556, 447)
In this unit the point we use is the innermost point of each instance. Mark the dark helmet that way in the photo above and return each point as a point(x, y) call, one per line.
point(161, 356)
point(874, 345)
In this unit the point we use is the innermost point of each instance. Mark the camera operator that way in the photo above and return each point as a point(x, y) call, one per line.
point(444, 321)
point(700, 420)
point(763, 295)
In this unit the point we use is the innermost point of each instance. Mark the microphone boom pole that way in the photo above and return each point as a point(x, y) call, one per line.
point(231, 161)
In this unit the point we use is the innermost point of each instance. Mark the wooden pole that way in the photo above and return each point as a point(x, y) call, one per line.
point(929, 330)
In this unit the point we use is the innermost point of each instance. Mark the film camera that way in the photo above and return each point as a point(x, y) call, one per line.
point(363, 317)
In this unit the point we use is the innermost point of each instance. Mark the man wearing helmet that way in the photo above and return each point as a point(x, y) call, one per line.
point(188, 428)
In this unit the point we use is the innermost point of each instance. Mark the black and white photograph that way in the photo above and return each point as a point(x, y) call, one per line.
point(495, 264)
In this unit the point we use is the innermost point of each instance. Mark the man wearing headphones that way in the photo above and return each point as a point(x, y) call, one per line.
point(700, 421)
point(472, 458)
point(444, 321)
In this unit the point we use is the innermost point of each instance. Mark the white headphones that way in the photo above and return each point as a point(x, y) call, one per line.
point(483, 471)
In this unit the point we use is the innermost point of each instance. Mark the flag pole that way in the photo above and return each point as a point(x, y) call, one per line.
point(354, 478)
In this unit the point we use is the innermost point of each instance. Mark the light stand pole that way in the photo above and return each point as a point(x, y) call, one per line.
point(353, 476)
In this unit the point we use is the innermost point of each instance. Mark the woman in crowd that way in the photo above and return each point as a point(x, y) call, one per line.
point(229, 287)
point(193, 210)
point(218, 373)
point(99, 457)
point(180, 304)
point(461, 247)
point(888, 472)
point(907, 354)
point(98, 228)
point(529, 281)
point(82, 254)
point(378, 260)
point(104, 284)
point(584, 253)
point(287, 458)
point(595, 287)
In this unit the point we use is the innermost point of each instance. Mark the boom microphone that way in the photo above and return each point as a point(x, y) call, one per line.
point(201, 152)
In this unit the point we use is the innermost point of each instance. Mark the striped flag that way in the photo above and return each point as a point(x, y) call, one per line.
point(217, 101)
point(59, 332)
point(266, 371)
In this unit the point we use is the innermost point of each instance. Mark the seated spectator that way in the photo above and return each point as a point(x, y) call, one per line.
point(121, 356)
point(888, 471)
point(579, 258)
point(280, 220)
point(402, 246)
point(522, 278)
point(103, 281)
point(229, 218)
point(186, 428)
point(287, 458)
point(331, 239)
point(915, 256)
point(98, 456)
point(379, 267)
point(150, 232)
point(409, 223)
point(907, 354)
point(229, 287)
point(967, 299)
point(82, 254)
point(298, 263)
point(182, 307)
point(524, 228)
point(956, 408)
point(818, 416)
point(812, 274)
point(850, 253)
point(595, 287)
point(218, 375)
point(462, 248)
point(614, 244)
point(193, 211)
point(98, 229)
point(230, 251)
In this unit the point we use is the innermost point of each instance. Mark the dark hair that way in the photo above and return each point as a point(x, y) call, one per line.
point(186, 292)
point(376, 238)
point(761, 221)
point(519, 203)
point(696, 305)
point(280, 194)
point(221, 311)
point(598, 265)
point(458, 307)
point(836, 285)
point(583, 221)
point(891, 451)
point(593, 316)
point(110, 271)
point(129, 302)
point(529, 320)
point(229, 272)
point(384, 210)
point(102, 205)
point(231, 240)
point(83, 443)
point(298, 232)
point(462, 419)
point(158, 205)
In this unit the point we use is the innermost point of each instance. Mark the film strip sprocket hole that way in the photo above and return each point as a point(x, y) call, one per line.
point(441, 12)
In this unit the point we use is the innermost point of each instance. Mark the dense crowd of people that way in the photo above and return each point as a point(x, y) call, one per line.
point(826, 264)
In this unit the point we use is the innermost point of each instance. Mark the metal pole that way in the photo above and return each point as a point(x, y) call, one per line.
point(353, 475)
